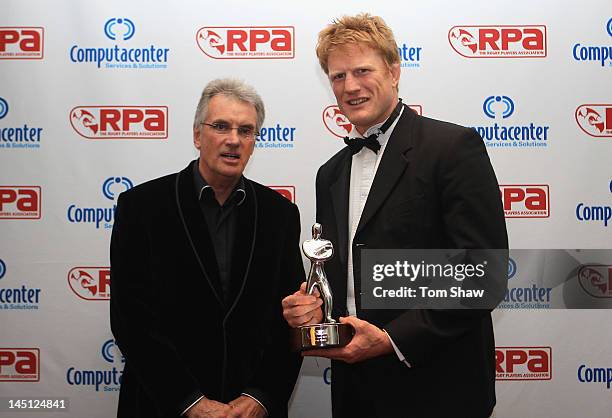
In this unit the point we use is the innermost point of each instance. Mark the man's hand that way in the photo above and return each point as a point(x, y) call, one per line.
point(207, 408)
point(369, 341)
point(301, 308)
point(245, 407)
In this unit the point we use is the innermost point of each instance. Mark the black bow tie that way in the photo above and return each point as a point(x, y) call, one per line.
point(356, 144)
point(371, 142)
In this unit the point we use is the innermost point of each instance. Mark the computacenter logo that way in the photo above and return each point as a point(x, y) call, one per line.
point(410, 56)
point(3, 108)
point(600, 54)
point(501, 134)
point(100, 216)
point(506, 111)
point(16, 135)
point(107, 186)
point(122, 57)
point(110, 29)
point(106, 378)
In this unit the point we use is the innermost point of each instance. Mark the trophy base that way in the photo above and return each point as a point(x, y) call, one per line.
point(316, 336)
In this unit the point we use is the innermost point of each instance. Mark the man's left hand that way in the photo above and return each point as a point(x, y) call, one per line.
point(245, 407)
point(369, 341)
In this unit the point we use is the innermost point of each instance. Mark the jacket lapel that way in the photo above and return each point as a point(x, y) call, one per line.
point(244, 245)
point(196, 230)
point(339, 191)
point(393, 164)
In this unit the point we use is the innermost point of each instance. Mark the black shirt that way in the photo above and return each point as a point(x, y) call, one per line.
point(221, 221)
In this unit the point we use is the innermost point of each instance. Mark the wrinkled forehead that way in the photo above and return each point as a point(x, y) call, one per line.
point(230, 109)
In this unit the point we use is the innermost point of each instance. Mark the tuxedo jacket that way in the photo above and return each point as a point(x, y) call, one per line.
point(434, 189)
point(177, 332)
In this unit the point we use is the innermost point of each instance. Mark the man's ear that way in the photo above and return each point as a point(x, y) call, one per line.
point(396, 71)
point(196, 138)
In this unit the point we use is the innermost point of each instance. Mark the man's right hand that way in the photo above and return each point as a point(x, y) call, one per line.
point(207, 408)
point(301, 308)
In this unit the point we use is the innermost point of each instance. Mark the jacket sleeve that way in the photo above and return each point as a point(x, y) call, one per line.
point(473, 218)
point(135, 310)
point(275, 377)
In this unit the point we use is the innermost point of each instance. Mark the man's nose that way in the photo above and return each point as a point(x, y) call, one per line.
point(233, 138)
point(351, 84)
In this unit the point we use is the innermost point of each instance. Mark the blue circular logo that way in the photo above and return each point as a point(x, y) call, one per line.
point(506, 103)
point(609, 27)
point(2, 269)
point(126, 33)
point(511, 268)
point(3, 108)
point(109, 182)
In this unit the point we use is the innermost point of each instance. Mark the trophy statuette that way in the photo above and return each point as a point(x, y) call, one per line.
point(330, 333)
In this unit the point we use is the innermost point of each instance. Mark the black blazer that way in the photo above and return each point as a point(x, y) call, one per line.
point(178, 335)
point(434, 188)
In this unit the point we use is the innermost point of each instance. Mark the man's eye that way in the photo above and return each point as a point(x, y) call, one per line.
point(362, 71)
point(245, 130)
point(221, 127)
point(338, 77)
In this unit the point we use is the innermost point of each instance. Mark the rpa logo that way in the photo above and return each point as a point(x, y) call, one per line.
point(601, 54)
point(595, 119)
point(126, 28)
point(19, 365)
point(596, 280)
point(90, 283)
point(20, 202)
point(339, 125)
point(525, 201)
point(504, 41)
point(120, 122)
point(523, 363)
point(100, 216)
point(247, 42)
point(21, 43)
point(287, 192)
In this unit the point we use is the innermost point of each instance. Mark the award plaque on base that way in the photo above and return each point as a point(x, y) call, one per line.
point(330, 333)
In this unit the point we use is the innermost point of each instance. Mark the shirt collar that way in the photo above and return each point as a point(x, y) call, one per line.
point(238, 194)
point(382, 139)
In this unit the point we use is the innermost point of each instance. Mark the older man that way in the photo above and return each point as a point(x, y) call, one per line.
point(403, 181)
point(200, 261)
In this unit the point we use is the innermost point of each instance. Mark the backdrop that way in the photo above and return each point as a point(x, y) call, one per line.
point(96, 97)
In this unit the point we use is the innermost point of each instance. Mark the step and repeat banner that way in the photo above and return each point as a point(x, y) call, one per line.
point(97, 97)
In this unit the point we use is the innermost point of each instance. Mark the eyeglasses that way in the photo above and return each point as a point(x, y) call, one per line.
point(221, 128)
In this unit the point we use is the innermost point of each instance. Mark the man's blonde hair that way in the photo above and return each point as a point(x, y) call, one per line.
point(363, 28)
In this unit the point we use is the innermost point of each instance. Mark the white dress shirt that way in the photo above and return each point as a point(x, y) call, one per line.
point(363, 169)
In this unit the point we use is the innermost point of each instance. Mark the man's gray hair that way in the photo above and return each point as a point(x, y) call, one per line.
point(233, 88)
